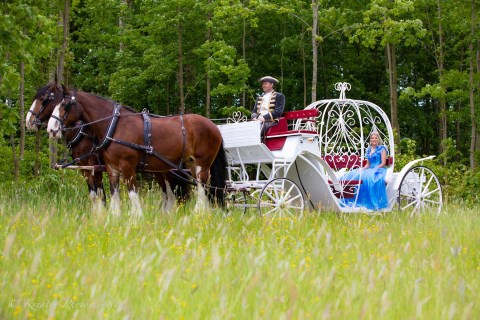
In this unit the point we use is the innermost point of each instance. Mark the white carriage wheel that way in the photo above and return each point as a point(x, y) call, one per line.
point(243, 199)
point(280, 196)
point(420, 191)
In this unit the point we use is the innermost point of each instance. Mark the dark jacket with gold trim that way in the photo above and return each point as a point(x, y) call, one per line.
point(276, 107)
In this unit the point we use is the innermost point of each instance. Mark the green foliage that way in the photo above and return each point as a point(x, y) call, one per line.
point(389, 22)
point(450, 152)
point(224, 67)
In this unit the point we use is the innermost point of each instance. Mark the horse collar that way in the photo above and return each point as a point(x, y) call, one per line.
point(111, 128)
point(77, 137)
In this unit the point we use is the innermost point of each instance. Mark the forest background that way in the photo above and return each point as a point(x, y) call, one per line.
point(418, 60)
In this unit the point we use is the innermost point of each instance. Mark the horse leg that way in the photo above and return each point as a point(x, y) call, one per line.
point(101, 199)
point(114, 177)
point(99, 189)
point(180, 184)
point(202, 176)
point(136, 207)
point(170, 196)
point(92, 189)
point(167, 194)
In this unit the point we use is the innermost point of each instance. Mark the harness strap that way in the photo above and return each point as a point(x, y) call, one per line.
point(147, 137)
point(146, 149)
point(80, 134)
point(106, 140)
point(77, 160)
point(111, 129)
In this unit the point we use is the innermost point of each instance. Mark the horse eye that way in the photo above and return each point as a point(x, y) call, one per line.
point(67, 106)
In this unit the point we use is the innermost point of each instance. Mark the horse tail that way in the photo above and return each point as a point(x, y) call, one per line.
point(218, 177)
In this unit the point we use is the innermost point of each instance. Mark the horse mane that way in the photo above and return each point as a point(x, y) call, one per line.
point(110, 100)
point(42, 90)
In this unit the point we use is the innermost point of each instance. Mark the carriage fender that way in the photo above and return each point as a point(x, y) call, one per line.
point(409, 165)
point(330, 173)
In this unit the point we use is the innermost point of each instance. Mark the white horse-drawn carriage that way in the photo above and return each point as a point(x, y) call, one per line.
point(304, 161)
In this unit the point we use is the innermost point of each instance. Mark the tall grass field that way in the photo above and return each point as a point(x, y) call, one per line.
point(58, 260)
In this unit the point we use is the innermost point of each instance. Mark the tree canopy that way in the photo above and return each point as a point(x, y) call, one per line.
point(419, 63)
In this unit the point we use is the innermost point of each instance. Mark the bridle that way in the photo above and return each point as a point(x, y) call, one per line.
point(48, 97)
point(67, 103)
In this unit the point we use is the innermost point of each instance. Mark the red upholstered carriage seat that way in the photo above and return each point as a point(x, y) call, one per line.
point(349, 162)
point(275, 139)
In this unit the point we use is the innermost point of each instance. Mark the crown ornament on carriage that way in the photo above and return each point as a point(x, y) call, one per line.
point(342, 87)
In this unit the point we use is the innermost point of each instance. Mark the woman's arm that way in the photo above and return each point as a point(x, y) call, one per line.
point(384, 159)
point(367, 165)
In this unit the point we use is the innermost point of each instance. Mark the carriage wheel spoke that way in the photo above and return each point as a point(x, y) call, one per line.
point(420, 190)
point(280, 195)
point(431, 192)
point(409, 205)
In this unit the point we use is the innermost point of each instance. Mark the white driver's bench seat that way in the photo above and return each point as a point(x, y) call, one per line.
point(242, 144)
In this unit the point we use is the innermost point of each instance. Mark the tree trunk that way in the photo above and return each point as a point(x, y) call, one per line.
point(315, 6)
point(209, 84)
point(167, 106)
point(244, 55)
point(61, 57)
point(477, 147)
point(61, 78)
point(16, 165)
point(440, 65)
point(22, 109)
point(392, 80)
point(281, 62)
point(121, 25)
point(472, 93)
point(304, 60)
point(180, 63)
point(324, 69)
point(36, 167)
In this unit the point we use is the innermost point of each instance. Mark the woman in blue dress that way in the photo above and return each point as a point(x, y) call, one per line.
point(373, 192)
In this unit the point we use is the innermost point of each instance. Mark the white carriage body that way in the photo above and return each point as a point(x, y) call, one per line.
point(315, 152)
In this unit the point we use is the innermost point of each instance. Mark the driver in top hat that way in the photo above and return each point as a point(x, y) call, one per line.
point(269, 106)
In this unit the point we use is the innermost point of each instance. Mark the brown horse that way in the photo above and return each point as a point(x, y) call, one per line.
point(127, 138)
point(81, 142)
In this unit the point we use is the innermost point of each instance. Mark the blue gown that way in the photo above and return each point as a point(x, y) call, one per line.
point(372, 193)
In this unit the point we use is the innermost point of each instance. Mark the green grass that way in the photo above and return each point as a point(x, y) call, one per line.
point(59, 261)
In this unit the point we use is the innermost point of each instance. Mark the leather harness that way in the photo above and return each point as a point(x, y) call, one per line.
point(147, 147)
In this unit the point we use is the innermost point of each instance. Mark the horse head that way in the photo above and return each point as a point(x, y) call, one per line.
point(44, 101)
point(64, 116)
